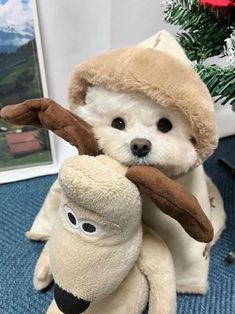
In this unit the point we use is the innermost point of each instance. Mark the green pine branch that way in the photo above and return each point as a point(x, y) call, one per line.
point(203, 35)
point(220, 82)
point(204, 31)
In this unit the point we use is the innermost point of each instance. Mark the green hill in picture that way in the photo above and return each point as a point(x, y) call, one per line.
point(20, 80)
point(19, 75)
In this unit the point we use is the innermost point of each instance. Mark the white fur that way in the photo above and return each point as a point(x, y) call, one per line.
point(171, 152)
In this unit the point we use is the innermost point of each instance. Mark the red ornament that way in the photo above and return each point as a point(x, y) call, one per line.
point(225, 8)
point(219, 3)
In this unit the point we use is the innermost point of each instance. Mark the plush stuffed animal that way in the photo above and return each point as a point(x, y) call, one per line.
point(96, 254)
point(95, 251)
point(147, 106)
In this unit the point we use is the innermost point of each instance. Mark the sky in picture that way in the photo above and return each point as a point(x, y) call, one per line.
point(16, 24)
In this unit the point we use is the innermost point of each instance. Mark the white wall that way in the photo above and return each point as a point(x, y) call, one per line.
point(77, 29)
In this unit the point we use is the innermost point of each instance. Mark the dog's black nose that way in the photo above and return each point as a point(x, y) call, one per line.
point(68, 303)
point(140, 147)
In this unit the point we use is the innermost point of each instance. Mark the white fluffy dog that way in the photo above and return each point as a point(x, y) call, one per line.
point(134, 130)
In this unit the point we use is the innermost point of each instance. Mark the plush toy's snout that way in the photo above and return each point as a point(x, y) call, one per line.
point(68, 303)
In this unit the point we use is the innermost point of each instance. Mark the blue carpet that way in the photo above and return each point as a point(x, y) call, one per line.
point(19, 203)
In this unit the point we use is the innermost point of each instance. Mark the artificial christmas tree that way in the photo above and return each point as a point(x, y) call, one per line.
point(207, 29)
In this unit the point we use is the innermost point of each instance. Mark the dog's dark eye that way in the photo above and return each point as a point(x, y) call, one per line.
point(193, 141)
point(164, 125)
point(118, 123)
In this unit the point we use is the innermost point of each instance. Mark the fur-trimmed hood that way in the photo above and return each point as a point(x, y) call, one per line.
point(159, 69)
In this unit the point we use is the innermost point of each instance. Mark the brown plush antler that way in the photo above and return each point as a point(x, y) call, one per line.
point(47, 114)
point(174, 200)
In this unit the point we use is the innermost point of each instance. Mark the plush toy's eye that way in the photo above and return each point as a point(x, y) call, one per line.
point(118, 123)
point(71, 217)
point(90, 228)
point(87, 227)
point(164, 125)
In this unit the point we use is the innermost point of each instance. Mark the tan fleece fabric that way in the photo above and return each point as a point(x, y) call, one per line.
point(159, 75)
point(165, 42)
point(155, 261)
point(218, 215)
point(43, 223)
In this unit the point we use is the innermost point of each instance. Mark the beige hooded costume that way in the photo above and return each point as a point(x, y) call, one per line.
point(159, 68)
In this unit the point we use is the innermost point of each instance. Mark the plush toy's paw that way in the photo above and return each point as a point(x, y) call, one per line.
point(42, 273)
point(34, 236)
point(53, 309)
point(42, 277)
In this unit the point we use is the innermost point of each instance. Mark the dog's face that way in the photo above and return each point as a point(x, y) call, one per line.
point(134, 130)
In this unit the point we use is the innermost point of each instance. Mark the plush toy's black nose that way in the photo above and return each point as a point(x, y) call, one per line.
point(68, 303)
point(140, 147)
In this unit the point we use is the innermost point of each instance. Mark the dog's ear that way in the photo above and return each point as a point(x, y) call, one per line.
point(47, 114)
point(174, 200)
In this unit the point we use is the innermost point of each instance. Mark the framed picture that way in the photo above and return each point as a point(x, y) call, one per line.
point(24, 151)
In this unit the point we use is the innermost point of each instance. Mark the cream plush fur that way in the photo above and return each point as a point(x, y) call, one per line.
point(112, 268)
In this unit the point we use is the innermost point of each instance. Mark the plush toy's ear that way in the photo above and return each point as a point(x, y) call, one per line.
point(165, 42)
point(47, 114)
point(174, 200)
